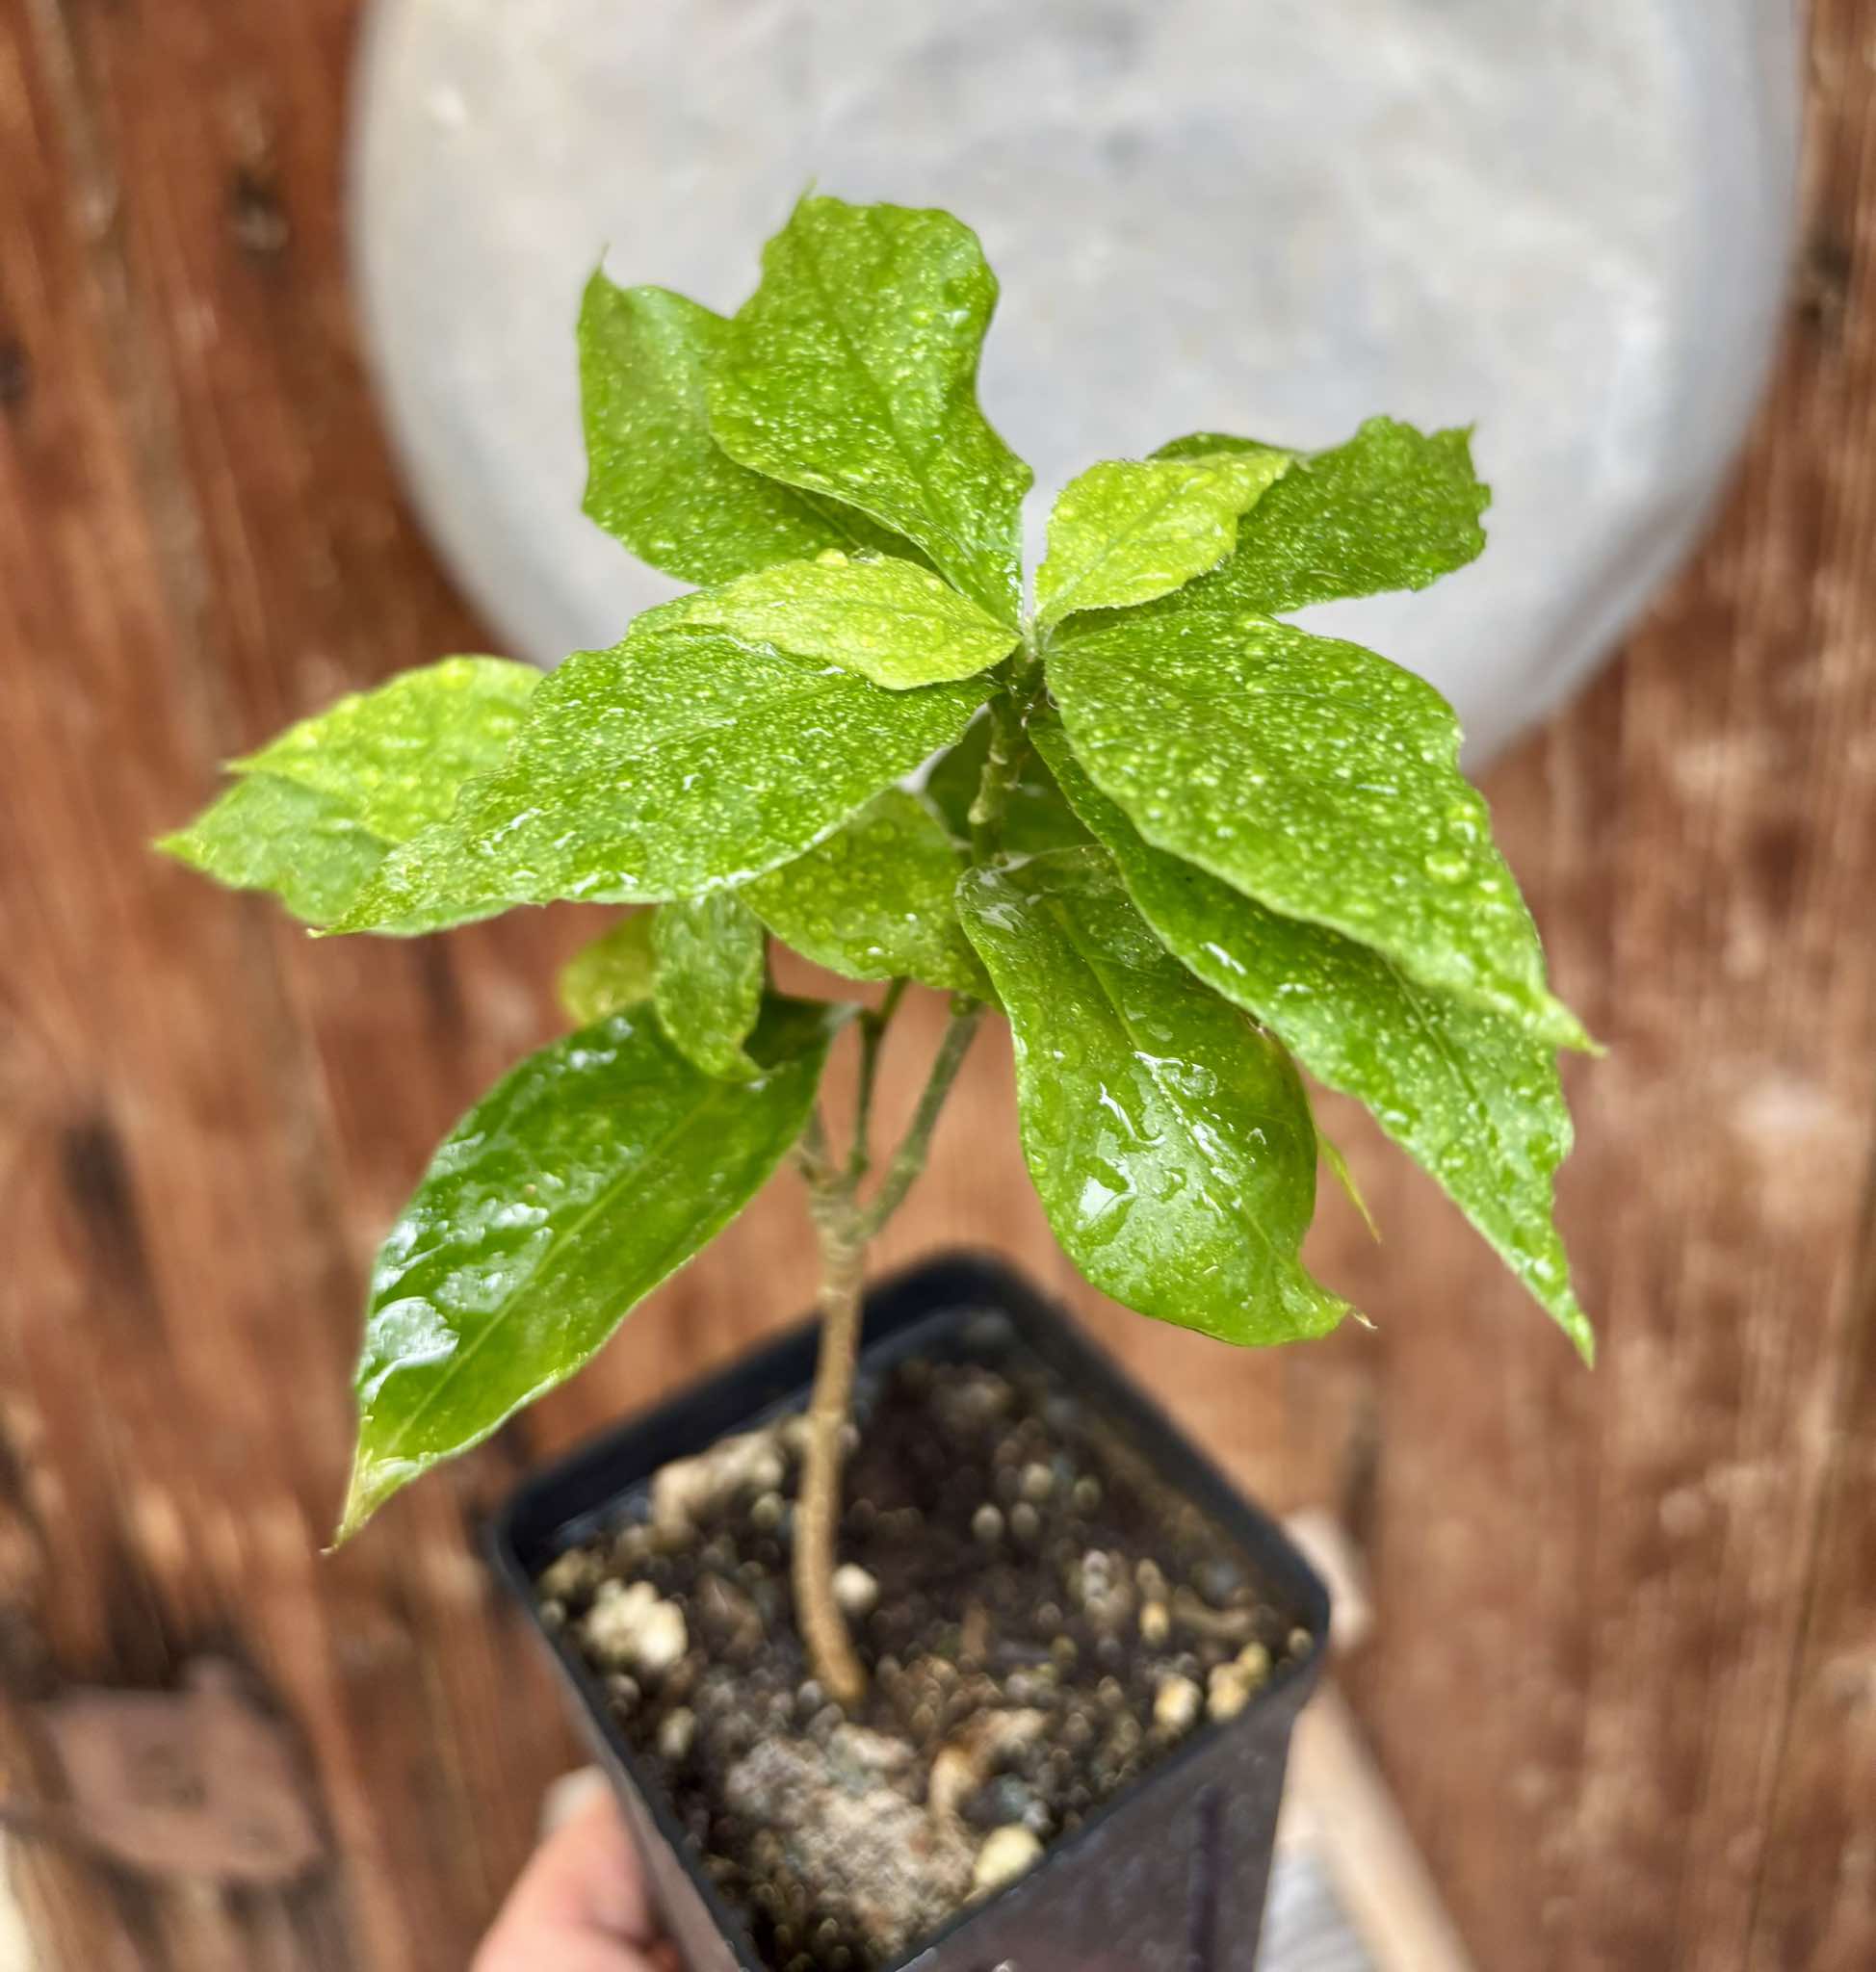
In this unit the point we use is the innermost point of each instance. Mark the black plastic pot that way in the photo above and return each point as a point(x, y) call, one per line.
point(1170, 1876)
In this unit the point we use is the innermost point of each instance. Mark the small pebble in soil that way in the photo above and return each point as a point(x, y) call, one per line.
point(1006, 1854)
point(676, 1735)
point(578, 1571)
point(629, 1627)
point(856, 1590)
point(1231, 1686)
point(1176, 1705)
point(1040, 1616)
point(688, 1491)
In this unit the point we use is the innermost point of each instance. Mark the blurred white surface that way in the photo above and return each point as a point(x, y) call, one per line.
point(1566, 220)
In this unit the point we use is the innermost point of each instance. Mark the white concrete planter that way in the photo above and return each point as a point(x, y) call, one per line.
point(1565, 220)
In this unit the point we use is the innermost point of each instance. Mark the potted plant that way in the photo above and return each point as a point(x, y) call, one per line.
point(1007, 1667)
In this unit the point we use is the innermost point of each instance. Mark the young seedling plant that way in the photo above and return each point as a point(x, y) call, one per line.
point(1186, 848)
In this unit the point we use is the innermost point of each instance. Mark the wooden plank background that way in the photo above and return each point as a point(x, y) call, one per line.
point(1625, 1674)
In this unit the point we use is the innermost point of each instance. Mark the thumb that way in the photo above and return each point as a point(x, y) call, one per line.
point(581, 1904)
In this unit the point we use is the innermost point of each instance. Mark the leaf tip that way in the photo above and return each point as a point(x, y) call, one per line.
point(1332, 1155)
point(352, 1515)
point(1575, 1325)
point(1564, 1030)
point(373, 1482)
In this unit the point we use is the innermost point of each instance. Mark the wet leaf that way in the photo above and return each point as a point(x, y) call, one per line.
point(1318, 779)
point(590, 1173)
point(656, 478)
point(1393, 509)
point(310, 850)
point(616, 972)
point(852, 372)
point(709, 981)
point(1036, 819)
point(1168, 1136)
point(1130, 530)
point(1469, 1094)
point(1340, 1168)
point(884, 619)
point(401, 754)
point(875, 900)
point(318, 807)
point(679, 761)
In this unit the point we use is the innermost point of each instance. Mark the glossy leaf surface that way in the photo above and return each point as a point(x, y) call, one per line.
point(852, 372)
point(1318, 779)
point(1130, 530)
point(1393, 509)
point(1471, 1097)
point(679, 761)
point(318, 807)
point(584, 1179)
point(401, 754)
point(656, 478)
point(1168, 1136)
point(876, 900)
point(309, 850)
point(708, 984)
point(884, 619)
point(616, 972)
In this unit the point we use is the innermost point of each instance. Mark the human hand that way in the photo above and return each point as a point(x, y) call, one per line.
point(579, 1905)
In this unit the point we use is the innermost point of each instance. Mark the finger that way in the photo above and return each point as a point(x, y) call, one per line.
point(536, 1952)
point(590, 1865)
point(510, 1952)
point(581, 1898)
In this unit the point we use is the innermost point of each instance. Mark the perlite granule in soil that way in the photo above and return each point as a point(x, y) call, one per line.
point(1042, 1619)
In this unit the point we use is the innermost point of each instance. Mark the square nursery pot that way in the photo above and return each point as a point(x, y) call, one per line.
point(1167, 1876)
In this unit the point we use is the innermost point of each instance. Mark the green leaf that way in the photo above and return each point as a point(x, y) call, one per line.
point(1393, 509)
point(616, 972)
point(677, 761)
point(1130, 530)
point(852, 372)
point(1318, 778)
point(887, 620)
point(708, 987)
point(309, 850)
point(1469, 1094)
point(1168, 1136)
point(875, 900)
point(1036, 820)
point(593, 1171)
point(399, 755)
point(1204, 445)
point(1339, 1166)
point(656, 478)
point(318, 807)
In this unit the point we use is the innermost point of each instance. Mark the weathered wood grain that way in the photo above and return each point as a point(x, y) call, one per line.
point(1625, 1667)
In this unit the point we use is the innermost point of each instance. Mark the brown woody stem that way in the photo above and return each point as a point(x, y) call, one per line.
point(846, 1227)
point(818, 1511)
